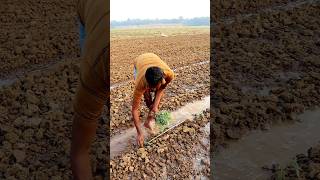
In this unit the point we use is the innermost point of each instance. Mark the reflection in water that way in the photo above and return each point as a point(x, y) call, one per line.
point(125, 139)
point(244, 158)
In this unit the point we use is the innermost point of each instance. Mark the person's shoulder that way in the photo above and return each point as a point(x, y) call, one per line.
point(169, 73)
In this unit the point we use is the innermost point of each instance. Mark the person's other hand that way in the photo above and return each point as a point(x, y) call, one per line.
point(155, 109)
point(140, 140)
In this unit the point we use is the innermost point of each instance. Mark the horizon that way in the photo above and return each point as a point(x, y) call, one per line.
point(154, 9)
point(160, 18)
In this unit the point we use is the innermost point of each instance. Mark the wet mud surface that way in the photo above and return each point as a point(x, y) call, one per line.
point(126, 139)
point(265, 71)
point(172, 156)
point(252, 155)
point(187, 87)
point(303, 166)
point(36, 113)
point(176, 154)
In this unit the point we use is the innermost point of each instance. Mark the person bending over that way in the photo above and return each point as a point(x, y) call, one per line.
point(152, 75)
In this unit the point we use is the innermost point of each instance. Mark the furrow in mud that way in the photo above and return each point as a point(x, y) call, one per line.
point(177, 51)
point(180, 154)
point(267, 70)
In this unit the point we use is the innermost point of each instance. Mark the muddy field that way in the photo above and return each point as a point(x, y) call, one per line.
point(34, 33)
point(266, 69)
point(36, 118)
point(180, 50)
point(176, 155)
point(36, 107)
point(188, 55)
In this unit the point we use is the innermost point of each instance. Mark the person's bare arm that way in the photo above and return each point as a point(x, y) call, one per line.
point(83, 133)
point(160, 93)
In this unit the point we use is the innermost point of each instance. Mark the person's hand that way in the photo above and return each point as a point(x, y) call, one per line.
point(140, 139)
point(155, 109)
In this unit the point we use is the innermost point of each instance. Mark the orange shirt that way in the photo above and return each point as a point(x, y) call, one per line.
point(142, 63)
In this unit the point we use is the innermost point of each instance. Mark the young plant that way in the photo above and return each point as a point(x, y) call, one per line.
point(162, 119)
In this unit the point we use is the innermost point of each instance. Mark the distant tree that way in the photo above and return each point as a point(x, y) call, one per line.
point(197, 21)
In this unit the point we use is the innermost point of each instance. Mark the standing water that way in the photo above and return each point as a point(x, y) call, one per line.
point(245, 158)
point(126, 139)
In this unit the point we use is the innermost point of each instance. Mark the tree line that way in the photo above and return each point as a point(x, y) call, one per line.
point(197, 21)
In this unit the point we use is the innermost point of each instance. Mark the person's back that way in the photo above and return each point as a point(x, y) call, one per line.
point(145, 61)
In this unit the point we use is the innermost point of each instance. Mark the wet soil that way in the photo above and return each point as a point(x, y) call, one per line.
point(172, 156)
point(187, 87)
point(304, 166)
point(36, 116)
point(249, 156)
point(39, 75)
point(127, 138)
point(265, 69)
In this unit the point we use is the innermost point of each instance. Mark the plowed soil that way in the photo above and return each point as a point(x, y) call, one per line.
point(36, 108)
point(34, 33)
point(175, 154)
point(266, 68)
point(177, 51)
point(36, 119)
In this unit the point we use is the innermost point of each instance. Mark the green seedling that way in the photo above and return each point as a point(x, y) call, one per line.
point(162, 119)
point(296, 167)
point(279, 173)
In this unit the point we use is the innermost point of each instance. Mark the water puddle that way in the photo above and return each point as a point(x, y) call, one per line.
point(245, 158)
point(126, 139)
point(203, 152)
point(8, 81)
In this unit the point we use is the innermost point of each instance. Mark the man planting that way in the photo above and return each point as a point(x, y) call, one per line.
point(151, 75)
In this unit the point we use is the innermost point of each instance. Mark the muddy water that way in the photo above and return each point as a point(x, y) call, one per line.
point(244, 158)
point(202, 152)
point(126, 139)
point(8, 81)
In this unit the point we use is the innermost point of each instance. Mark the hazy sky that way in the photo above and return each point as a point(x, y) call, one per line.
point(162, 9)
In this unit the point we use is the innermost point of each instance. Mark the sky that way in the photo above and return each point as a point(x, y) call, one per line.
point(162, 9)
